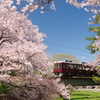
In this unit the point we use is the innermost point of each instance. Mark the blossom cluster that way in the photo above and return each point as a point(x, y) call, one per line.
point(22, 51)
point(88, 5)
point(29, 5)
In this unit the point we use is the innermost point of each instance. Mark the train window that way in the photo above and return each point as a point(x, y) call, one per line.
point(70, 66)
point(74, 66)
point(59, 66)
point(79, 67)
point(83, 67)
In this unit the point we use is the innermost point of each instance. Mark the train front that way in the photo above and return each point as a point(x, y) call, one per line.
point(58, 68)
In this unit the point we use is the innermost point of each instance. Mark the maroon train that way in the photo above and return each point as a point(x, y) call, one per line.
point(73, 69)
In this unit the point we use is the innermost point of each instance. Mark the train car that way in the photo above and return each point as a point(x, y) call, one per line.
point(73, 69)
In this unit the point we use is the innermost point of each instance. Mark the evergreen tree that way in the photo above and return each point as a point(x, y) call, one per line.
point(93, 46)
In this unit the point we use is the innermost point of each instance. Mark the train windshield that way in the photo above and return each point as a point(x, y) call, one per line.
point(58, 66)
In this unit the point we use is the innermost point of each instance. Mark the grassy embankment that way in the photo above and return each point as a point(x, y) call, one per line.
point(83, 95)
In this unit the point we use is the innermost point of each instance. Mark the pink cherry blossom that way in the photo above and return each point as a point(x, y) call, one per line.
point(22, 51)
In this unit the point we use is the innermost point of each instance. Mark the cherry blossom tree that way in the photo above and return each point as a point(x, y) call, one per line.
point(31, 5)
point(88, 5)
point(22, 50)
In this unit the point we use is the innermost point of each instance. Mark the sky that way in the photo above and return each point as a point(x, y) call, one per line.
point(66, 29)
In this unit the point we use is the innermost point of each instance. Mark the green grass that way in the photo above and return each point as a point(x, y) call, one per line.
point(83, 95)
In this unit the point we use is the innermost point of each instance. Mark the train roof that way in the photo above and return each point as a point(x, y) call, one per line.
point(68, 62)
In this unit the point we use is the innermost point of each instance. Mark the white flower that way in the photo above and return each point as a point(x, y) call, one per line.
point(14, 8)
point(42, 12)
point(18, 2)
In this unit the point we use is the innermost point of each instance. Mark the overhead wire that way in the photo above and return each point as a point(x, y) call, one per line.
point(66, 51)
point(64, 45)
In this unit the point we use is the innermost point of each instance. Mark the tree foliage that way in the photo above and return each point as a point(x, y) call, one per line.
point(92, 48)
point(63, 57)
point(22, 51)
point(94, 45)
point(88, 5)
point(96, 79)
point(31, 5)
